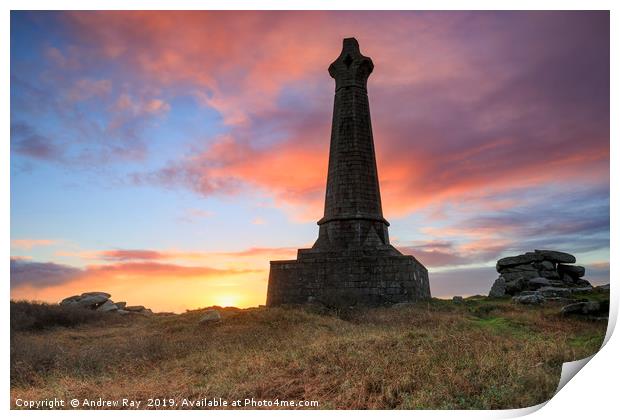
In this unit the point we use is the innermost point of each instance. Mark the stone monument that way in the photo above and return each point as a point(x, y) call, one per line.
point(352, 261)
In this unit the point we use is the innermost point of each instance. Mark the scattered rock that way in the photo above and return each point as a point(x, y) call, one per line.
point(458, 299)
point(520, 269)
point(528, 293)
point(582, 308)
point(515, 286)
point(92, 301)
point(567, 279)
point(107, 306)
point(555, 256)
point(89, 300)
point(582, 283)
point(549, 274)
point(547, 265)
point(527, 258)
point(70, 300)
point(540, 282)
point(499, 288)
point(100, 301)
point(529, 299)
point(99, 294)
point(211, 315)
point(520, 275)
point(554, 292)
point(575, 271)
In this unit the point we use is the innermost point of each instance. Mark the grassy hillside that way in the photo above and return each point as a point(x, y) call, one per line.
point(480, 354)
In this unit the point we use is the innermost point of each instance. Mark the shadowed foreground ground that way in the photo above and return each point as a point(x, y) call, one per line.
point(480, 354)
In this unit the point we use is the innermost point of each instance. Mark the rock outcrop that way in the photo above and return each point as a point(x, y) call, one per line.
point(535, 278)
point(529, 299)
point(90, 300)
point(211, 315)
point(592, 308)
point(546, 271)
point(100, 301)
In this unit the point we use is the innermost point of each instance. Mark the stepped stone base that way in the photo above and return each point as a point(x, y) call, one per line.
point(347, 280)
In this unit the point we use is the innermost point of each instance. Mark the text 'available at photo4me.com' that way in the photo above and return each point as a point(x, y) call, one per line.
point(155, 403)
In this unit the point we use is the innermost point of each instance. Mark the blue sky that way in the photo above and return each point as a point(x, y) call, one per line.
point(184, 164)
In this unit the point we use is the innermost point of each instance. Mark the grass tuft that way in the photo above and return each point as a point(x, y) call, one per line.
point(32, 316)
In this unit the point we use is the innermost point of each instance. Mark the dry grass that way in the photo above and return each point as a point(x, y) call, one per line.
point(481, 354)
point(31, 316)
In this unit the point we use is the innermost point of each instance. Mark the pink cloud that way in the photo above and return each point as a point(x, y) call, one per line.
point(68, 60)
point(84, 89)
point(28, 244)
point(440, 254)
point(127, 104)
point(120, 270)
point(460, 102)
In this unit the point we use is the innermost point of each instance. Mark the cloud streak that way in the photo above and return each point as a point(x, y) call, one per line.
point(39, 274)
point(28, 244)
point(153, 255)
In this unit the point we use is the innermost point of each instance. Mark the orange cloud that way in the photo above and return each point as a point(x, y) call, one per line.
point(131, 254)
point(251, 260)
point(121, 270)
point(151, 255)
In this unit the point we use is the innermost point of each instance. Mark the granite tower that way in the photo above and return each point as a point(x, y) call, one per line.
point(352, 261)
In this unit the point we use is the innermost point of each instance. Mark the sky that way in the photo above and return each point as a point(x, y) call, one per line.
point(167, 157)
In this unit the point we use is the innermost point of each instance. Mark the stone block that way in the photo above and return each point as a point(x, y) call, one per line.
point(287, 283)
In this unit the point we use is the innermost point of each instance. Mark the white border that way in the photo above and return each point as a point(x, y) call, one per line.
point(591, 395)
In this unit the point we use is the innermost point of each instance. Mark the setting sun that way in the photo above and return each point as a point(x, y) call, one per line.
point(227, 300)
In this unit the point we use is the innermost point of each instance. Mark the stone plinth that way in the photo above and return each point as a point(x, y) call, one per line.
point(350, 280)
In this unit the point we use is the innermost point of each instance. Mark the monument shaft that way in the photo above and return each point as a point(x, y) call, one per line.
point(352, 183)
point(353, 217)
point(352, 261)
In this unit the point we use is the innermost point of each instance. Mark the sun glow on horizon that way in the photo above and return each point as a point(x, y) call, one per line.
point(227, 300)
